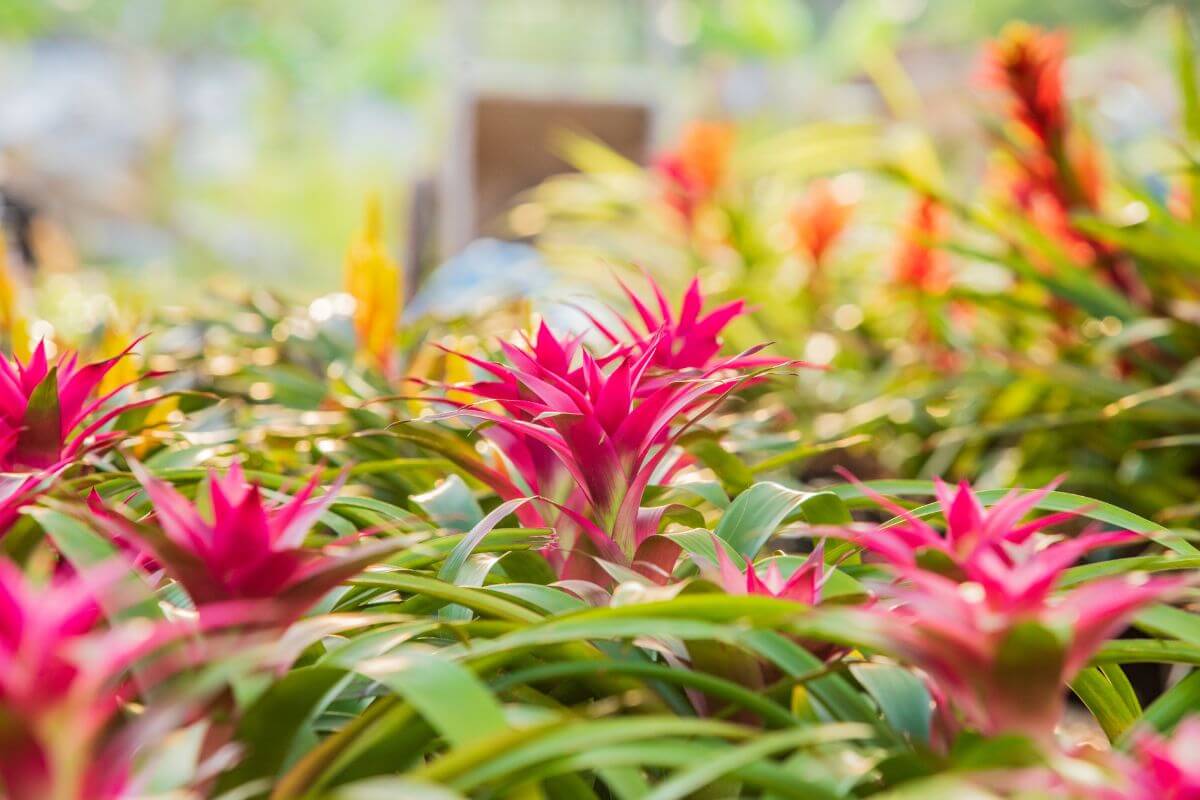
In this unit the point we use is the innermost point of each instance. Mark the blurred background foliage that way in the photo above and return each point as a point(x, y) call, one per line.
point(185, 138)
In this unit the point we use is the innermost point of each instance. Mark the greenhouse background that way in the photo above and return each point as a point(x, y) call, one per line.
point(177, 139)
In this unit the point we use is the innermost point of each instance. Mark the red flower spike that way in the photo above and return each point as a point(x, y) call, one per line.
point(1027, 63)
point(695, 170)
point(818, 220)
point(920, 264)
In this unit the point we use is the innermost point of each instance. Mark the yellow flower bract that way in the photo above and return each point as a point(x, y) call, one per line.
point(373, 279)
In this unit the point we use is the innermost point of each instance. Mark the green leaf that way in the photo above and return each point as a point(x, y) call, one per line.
point(392, 788)
point(1107, 704)
point(685, 782)
point(772, 714)
point(515, 752)
point(41, 434)
point(825, 508)
point(271, 725)
point(543, 598)
point(1172, 706)
point(755, 514)
point(1028, 664)
point(901, 696)
point(445, 693)
point(453, 564)
point(1147, 651)
point(942, 787)
point(734, 474)
point(972, 752)
point(1168, 621)
point(476, 599)
point(451, 505)
point(85, 548)
point(703, 544)
point(1185, 72)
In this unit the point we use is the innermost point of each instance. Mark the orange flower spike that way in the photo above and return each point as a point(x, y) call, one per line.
point(1087, 166)
point(818, 220)
point(920, 265)
point(1027, 63)
point(704, 151)
point(373, 279)
point(1179, 201)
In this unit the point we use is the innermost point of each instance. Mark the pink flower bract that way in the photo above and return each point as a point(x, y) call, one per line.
point(51, 414)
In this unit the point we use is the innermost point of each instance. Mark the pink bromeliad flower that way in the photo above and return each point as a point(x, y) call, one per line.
point(1163, 768)
point(590, 434)
point(53, 414)
point(61, 677)
point(683, 340)
point(977, 609)
point(245, 549)
point(803, 586)
point(978, 543)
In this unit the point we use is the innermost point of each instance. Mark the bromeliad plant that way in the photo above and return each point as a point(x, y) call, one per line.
point(53, 414)
point(243, 551)
point(978, 609)
point(589, 433)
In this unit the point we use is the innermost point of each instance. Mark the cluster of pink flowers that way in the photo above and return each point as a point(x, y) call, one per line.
point(980, 612)
point(975, 603)
point(588, 433)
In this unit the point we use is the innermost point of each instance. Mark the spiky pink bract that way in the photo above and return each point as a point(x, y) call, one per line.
point(60, 682)
point(803, 585)
point(244, 550)
point(977, 608)
point(52, 414)
point(590, 433)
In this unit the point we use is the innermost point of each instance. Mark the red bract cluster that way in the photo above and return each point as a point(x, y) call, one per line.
point(1027, 63)
point(920, 263)
point(694, 171)
point(980, 613)
point(1058, 171)
point(818, 220)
